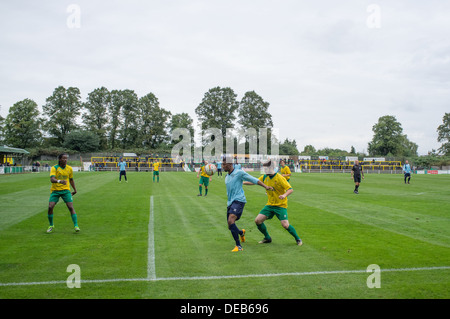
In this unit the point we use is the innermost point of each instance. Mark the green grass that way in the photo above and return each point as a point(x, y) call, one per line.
point(393, 225)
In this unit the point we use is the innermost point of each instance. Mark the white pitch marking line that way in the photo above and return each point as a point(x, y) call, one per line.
point(151, 269)
point(311, 273)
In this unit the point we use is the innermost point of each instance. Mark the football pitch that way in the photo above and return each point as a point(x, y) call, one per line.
point(160, 241)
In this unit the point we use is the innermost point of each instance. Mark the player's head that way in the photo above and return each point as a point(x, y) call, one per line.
point(227, 163)
point(406, 162)
point(282, 163)
point(62, 159)
point(268, 167)
point(356, 162)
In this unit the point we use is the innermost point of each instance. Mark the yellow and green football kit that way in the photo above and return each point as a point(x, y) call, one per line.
point(285, 170)
point(59, 190)
point(280, 186)
point(156, 170)
point(204, 180)
point(276, 206)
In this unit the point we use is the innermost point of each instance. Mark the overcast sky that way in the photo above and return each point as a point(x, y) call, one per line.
point(329, 69)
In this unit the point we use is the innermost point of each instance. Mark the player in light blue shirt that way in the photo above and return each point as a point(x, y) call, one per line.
point(122, 165)
point(219, 169)
point(236, 199)
point(407, 171)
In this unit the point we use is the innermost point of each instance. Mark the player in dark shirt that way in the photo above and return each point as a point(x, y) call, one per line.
point(357, 173)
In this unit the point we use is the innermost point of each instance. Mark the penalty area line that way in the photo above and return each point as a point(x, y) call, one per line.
point(154, 279)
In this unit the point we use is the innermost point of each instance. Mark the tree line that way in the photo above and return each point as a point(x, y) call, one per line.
point(121, 120)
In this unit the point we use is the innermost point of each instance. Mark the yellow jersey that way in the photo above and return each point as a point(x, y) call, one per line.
point(284, 170)
point(202, 168)
point(63, 174)
point(156, 166)
point(280, 186)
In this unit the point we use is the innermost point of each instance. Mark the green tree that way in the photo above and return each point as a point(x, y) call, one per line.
point(309, 150)
point(95, 119)
point(289, 147)
point(253, 112)
point(23, 125)
point(409, 148)
point(331, 152)
point(153, 122)
point(62, 110)
point(444, 135)
point(82, 141)
point(217, 110)
point(129, 113)
point(118, 100)
point(182, 120)
point(388, 138)
point(2, 128)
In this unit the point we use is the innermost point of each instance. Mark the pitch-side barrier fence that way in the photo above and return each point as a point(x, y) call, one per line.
point(189, 168)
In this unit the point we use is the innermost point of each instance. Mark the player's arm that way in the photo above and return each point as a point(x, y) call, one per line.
point(259, 183)
point(268, 188)
point(72, 183)
point(288, 192)
point(250, 180)
point(54, 180)
point(287, 172)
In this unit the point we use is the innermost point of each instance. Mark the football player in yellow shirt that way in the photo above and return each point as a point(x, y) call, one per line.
point(285, 170)
point(204, 179)
point(276, 203)
point(156, 166)
point(60, 177)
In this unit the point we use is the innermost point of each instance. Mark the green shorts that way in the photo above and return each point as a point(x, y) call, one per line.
point(204, 180)
point(65, 195)
point(155, 172)
point(270, 211)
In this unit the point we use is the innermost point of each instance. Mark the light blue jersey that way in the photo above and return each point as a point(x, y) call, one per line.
point(233, 182)
point(406, 168)
point(122, 166)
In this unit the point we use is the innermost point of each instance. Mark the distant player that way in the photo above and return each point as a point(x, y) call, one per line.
point(122, 167)
point(204, 179)
point(236, 199)
point(60, 177)
point(156, 167)
point(219, 169)
point(285, 171)
point(407, 171)
point(277, 203)
point(357, 173)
